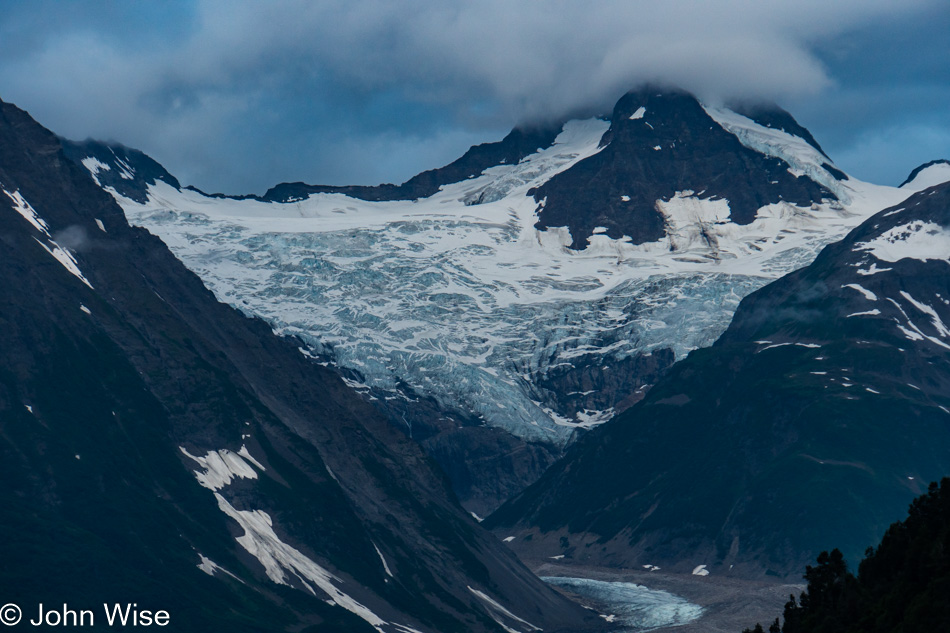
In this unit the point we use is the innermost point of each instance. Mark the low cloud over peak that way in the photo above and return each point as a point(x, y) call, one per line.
point(235, 96)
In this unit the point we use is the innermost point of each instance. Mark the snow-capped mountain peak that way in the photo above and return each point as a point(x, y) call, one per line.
point(540, 296)
point(927, 175)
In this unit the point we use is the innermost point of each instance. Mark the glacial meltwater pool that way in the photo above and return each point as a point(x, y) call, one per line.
point(635, 607)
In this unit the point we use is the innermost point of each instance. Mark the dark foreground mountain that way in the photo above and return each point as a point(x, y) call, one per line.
point(159, 448)
point(816, 417)
point(901, 586)
point(499, 306)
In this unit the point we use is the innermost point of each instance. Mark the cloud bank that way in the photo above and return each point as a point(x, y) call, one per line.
point(235, 96)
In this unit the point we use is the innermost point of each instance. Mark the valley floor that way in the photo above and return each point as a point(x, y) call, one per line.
point(729, 604)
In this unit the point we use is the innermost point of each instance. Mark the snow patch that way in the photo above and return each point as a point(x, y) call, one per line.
point(638, 114)
point(126, 172)
point(382, 558)
point(280, 559)
point(65, 258)
point(94, 166)
point(208, 566)
point(918, 240)
point(220, 467)
point(870, 296)
point(496, 609)
point(914, 333)
point(62, 255)
point(873, 270)
point(700, 570)
point(21, 206)
point(937, 323)
point(247, 455)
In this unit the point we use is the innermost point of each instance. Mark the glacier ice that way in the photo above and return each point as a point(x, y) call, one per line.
point(461, 299)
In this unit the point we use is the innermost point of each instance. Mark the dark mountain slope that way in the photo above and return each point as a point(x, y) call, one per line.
point(128, 396)
point(813, 420)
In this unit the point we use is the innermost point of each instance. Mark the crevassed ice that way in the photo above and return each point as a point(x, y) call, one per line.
point(460, 297)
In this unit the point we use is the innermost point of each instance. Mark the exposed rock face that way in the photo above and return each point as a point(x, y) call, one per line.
point(661, 143)
point(128, 171)
point(158, 447)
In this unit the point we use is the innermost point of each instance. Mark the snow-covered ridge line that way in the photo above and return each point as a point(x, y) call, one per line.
point(935, 173)
point(797, 152)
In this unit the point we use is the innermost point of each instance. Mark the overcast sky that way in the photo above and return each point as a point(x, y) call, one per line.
point(237, 96)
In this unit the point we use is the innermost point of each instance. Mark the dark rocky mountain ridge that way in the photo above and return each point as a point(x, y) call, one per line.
point(520, 142)
point(128, 392)
point(618, 187)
